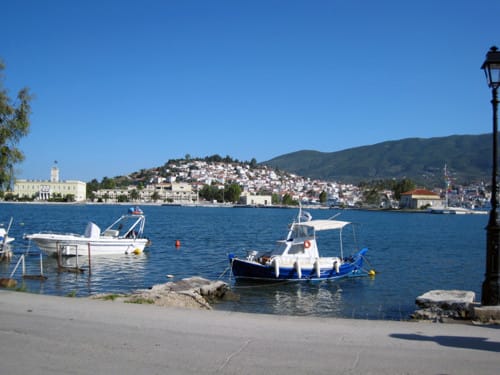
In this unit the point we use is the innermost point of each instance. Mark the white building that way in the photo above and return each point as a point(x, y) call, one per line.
point(255, 200)
point(44, 190)
point(177, 192)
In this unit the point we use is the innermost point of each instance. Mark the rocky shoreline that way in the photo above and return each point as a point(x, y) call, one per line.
point(192, 293)
point(452, 306)
point(437, 306)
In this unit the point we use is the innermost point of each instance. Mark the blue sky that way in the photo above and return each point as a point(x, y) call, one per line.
point(125, 85)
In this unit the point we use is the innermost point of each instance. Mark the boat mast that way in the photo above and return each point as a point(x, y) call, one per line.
point(447, 186)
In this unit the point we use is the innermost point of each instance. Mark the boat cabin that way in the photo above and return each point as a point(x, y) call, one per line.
point(301, 239)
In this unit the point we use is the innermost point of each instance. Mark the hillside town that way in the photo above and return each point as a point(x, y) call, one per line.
point(181, 181)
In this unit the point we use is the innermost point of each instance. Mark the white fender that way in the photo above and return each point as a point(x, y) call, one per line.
point(317, 267)
point(298, 268)
point(336, 264)
point(276, 267)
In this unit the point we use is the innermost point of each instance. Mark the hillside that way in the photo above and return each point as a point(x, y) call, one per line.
point(468, 158)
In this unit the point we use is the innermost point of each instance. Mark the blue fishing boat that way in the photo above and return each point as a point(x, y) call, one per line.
point(297, 256)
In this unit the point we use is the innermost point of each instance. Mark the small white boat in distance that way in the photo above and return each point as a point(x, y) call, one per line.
point(124, 236)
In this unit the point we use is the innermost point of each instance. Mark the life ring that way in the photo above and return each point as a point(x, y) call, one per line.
point(307, 244)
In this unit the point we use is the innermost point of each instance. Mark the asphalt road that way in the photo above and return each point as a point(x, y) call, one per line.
point(63, 335)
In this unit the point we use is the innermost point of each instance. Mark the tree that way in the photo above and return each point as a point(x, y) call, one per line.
point(253, 163)
point(92, 187)
point(402, 186)
point(289, 201)
point(134, 195)
point(155, 196)
point(108, 183)
point(14, 124)
point(323, 197)
point(232, 193)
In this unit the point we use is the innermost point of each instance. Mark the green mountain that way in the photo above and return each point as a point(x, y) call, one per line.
point(468, 157)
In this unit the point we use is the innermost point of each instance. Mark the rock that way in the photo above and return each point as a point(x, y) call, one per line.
point(193, 292)
point(440, 305)
point(8, 283)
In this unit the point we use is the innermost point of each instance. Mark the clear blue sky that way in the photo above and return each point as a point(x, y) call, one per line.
point(124, 85)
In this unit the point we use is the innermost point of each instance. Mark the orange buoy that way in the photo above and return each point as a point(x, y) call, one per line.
point(177, 243)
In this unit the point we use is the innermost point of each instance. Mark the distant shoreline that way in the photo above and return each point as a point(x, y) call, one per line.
point(223, 205)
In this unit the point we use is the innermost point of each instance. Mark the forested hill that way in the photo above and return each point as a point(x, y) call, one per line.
point(468, 157)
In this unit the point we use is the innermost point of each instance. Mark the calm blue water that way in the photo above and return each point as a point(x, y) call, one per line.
point(412, 254)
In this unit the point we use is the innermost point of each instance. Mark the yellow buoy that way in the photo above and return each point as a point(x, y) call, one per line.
point(372, 273)
point(137, 251)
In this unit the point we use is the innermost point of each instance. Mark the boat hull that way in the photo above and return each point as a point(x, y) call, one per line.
point(247, 269)
point(73, 245)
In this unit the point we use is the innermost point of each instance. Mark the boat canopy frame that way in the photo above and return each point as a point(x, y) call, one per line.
point(321, 225)
point(136, 229)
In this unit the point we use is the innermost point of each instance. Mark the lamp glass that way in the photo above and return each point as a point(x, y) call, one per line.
point(491, 67)
point(492, 71)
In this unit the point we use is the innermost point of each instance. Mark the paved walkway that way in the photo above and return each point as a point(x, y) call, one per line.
point(62, 335)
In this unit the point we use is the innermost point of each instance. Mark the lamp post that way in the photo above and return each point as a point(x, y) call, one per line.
point(491, 285)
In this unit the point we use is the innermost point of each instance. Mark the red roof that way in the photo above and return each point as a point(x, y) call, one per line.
point(420, 192)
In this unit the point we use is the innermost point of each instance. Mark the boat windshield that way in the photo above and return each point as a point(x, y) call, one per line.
point(295, 248)
point(301, 231)
point(280, 248)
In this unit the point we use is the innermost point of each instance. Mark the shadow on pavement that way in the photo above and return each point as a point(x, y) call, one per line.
point(476, 343)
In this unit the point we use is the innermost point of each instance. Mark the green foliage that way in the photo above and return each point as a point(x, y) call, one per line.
point(402, 186)
point(372, 191)
point(134, 195)
point(323, 197)
point(371, 196)
point(289, 201)
point(232, 193)
point(212, 193)
point(122, 198)
point(275, 198)
point(417, 159)
point(109, 297)
point(14, 125)
point(92, 187)
point(56, 197)
point(397, 186)
point(108, 183)
point(140, 300)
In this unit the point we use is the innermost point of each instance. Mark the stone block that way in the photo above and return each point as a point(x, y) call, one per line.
point(439, 305)
point(487, 314)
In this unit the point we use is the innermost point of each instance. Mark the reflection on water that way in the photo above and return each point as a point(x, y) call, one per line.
point(103, 274)
point(412, 254)
point(301, 299)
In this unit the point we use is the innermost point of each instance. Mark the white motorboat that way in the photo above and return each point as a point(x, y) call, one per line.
point(297, 257)
point(4, 237)
point(124, 236)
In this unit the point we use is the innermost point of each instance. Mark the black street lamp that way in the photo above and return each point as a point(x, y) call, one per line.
point(491, 285)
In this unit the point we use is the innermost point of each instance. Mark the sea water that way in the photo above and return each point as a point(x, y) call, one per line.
point(411, 253)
